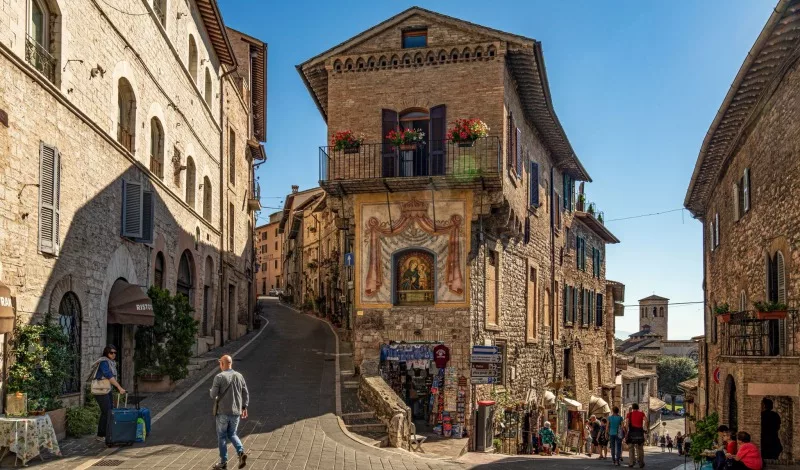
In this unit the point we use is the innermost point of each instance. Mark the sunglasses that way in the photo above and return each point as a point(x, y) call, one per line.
point(112, 352)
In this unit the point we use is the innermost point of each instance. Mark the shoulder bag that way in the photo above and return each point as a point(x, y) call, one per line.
point(215, 409)
point(99, 386)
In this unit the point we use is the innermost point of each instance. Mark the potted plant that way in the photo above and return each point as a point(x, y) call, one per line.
point(600, 217)
point(723, 312)
point(581, 202)
point(42, 363)
point(347, 141)
point(770, 310)
point(466, 131)
point(591, 209)
point(405, 139)
point(163, 350)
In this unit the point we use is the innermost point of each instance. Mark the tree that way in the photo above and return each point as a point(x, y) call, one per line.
point(671, 372)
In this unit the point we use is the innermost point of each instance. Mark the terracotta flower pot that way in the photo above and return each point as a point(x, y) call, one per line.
point(466, 143)
point(353, 149)
point(724, 317)
point(776, 315)
point(407, 147)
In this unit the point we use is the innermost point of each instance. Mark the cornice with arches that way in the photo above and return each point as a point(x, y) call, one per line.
point(408, 58)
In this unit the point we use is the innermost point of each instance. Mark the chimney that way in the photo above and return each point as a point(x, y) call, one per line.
point(295, 188)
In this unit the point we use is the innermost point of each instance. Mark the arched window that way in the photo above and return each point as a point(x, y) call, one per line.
point(742, 301)
point(69, 317)
point(186, 275)
point(414, 278)
point(158, 271)
point(197, 238)
point(38, 29)
point(776, 278)
point(38, 52)
point(655, 312)
point(126, 118)
point(208, 88)
point(207, 199)
point(191, 183)
point(642, 312)
point(207, 306)
point(192, 58)
point(160, 7)
point(156, 148)
point(661, 312)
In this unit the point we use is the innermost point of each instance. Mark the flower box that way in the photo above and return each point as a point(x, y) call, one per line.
point(467, 143)
point(775, 315)
point(408, 147)
point(352, 149)
point(466, 131)
point(724, 317)
point(347, 141)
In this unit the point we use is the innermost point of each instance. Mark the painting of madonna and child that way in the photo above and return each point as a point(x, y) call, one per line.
point(414, 275)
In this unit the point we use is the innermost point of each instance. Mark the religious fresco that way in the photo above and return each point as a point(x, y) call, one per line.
point(394, 235)
point(414, 278)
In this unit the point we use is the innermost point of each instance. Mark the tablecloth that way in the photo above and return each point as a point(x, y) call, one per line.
point(27, 436)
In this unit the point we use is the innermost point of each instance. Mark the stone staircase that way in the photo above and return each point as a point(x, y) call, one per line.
point(197, 363)
point(357, 417)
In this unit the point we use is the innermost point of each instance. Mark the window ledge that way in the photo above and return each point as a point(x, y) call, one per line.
point(490, 327)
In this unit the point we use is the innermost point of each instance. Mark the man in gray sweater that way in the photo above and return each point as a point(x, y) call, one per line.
point(229, 390)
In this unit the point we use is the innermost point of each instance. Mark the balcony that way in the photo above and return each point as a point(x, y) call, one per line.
point(385, 167)
point(156, 167)
point(745, 335)
point(254, 201)
point(125, 137)
point(40, 58)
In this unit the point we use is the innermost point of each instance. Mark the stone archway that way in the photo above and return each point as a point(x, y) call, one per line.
point(730, 405)
point(121, 266)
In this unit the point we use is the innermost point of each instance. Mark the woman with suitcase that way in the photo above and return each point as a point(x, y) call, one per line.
point(106, 373)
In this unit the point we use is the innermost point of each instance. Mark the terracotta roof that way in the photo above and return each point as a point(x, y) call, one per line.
point(212, 19)
point(523, 56)
point(295, 200)
point(765, 64)
point(635, 373)
point(690, 384)
point(258, 51)
point(653, 297)
point(656, 404)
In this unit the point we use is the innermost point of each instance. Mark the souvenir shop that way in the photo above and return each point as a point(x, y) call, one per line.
point(436, 392)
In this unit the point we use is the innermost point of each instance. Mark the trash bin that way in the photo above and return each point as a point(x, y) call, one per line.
point(484, 426)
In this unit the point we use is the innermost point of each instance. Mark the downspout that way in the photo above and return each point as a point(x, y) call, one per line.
point(705, 331)
point(555, 295)
point(222, 203)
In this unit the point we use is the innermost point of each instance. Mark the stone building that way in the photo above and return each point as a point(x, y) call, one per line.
point(744, 190)
point(651, 342)
point(299, 246)
point(640, 387)
point(269, 255)
point(463, 244)
point(127, 146)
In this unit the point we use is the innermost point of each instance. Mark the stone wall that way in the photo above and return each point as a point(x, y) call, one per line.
point(269, 256)
point(390, 409)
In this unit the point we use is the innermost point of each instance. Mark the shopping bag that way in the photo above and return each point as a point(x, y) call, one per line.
point(141, 430)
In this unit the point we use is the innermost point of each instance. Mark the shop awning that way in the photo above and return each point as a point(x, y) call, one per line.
point(6, 309)
point(129, 305)
point(598, 406)
point(549, 400)
point(572, 404)
point(656, 404)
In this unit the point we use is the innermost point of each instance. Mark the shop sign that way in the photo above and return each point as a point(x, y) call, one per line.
point(485, 380)
point(486, 354)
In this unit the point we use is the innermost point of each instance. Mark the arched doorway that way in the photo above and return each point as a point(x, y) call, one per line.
point(731, 405)
point(114, 335)
point(186, 276)
point(69, 318)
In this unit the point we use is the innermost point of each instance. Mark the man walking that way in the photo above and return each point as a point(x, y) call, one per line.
point(231, 398)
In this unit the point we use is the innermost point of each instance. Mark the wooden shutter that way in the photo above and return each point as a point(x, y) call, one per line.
point(49, 198)
point(437, 143)
point(564, 309)
point(772, 279)
point(746, 189)
point(510, 144)
point(574, 305)
point(735, 194)
point(711, 234)
point(132, 209)
point(533, 184)
point(390, 123)
point(716, 229)
point(780, 281)
point(590, 306)
point(518, 152)
point(527, 237)
point(599, 306)
point(148, 217)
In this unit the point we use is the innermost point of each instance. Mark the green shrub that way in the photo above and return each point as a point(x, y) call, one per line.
point(703, 438)
point(82, 420)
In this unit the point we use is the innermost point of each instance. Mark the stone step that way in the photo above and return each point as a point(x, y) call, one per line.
point(356, 418)
point(346, 365)
point(352, 384)
point(345, 347)
point(201, 361)
point(370, 427)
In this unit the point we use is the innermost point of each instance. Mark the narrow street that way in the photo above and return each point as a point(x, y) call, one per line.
point(290, 371)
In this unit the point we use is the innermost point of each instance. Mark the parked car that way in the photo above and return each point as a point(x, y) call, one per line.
point(681, 412)
point(665, 411)
point(273, 292)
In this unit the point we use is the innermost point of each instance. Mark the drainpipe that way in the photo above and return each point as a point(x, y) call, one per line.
point(222, 203)
point(705, 332)
point(553, 316)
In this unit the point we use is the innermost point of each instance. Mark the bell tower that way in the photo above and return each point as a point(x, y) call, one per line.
point(654, 314)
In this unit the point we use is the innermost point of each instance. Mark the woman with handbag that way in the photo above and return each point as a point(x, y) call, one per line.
point(104, 376)
point(636, 424)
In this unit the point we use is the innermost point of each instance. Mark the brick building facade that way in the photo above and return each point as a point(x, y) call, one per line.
point(128, 144)
point(269, 255)
point(744, 190)
point(486, 232)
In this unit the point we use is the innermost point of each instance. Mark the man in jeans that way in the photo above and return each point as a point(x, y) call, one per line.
point(614, 424)
point(230, 391)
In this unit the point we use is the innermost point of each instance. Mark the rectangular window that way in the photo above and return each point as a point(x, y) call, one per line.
point(531, 323)
point(599, 375)
point(415, 38)
point(518, 153)
point(231, 227)
point(711, 234)
point(492, 286)
point(49, 198)
point(501, 347)
point(599, 306)
point(575, 304)
point(533, 185)
point(564, 308)
point(276, 232)
point(264, 236)
point(589, 375)
point(567, 364)
point(511, 145)
point(276, 246)
point(590, 306)
point(557, 211)
point(232, 156)
point(276, 264)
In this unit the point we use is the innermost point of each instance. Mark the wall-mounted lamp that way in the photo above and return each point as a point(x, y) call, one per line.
point(181, 14)
point(97, 71)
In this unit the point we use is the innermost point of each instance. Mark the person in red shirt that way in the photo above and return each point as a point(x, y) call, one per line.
point(635, 429)
point(728, 441)
point(748, 456)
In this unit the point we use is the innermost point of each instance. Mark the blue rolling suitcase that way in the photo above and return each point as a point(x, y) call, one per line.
point(121, 428)
point(144, 413)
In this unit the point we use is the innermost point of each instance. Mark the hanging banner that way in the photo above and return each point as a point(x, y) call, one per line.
point(6, 310)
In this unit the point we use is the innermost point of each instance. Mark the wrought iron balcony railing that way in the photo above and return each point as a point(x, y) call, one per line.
point(160, 13)
point(38, 56)
point(432, 158)
point(254, 201)
point(749, 334)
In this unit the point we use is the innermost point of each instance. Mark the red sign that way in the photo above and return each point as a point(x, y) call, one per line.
point(716, 375)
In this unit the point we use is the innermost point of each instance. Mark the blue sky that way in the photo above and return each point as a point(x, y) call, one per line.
point(635, 85)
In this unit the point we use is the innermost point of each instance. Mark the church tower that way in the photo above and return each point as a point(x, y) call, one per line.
point(654, 314)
